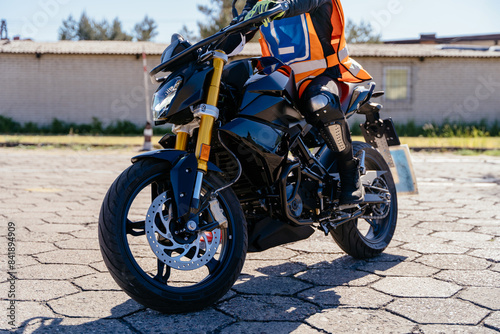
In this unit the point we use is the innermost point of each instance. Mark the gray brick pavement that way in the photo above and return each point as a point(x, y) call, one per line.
point(441, 274)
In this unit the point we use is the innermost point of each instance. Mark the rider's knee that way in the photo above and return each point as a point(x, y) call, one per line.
point(324, 108)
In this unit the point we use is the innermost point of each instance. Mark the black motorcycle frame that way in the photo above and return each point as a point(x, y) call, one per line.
point(267, 126)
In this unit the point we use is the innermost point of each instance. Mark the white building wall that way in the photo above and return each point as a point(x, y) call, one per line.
point(444, 89)
point(73, 88)
point(76, 88)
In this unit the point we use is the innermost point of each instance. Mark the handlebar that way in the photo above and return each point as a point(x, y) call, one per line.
point(221, 35)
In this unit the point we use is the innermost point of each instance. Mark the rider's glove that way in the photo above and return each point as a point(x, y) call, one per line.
point(262, 7)
point(240, 17)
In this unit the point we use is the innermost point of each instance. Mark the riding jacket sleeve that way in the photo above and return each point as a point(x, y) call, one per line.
point(297, 7)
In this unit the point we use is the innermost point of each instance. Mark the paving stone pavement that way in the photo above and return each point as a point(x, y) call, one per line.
point(441, 273)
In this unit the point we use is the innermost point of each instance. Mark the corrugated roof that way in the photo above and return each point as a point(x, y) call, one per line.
point(388, 50)
point(83, 47)
point(251, 49)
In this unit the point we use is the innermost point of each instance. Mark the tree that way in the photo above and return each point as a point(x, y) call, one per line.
point(85, 29)
point(69, 29)
point(116, 33)
point(89, 29)
point(146, 30)
point(219, 14)
point(362, 33)
point(189, 35)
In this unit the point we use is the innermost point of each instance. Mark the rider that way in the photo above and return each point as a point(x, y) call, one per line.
point(310, 38)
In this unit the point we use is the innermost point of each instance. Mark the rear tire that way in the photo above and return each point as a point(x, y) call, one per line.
point(134, 266)
point(365, 243)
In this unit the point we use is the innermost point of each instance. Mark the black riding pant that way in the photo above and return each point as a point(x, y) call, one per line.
point(321, 104)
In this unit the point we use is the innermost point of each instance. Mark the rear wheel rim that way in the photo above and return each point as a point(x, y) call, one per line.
point(374, 231)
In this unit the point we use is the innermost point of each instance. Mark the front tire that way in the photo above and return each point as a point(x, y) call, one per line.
point(194, 279)
point(363, 239)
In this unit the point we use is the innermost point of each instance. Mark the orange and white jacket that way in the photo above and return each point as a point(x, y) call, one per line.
point(310, 39)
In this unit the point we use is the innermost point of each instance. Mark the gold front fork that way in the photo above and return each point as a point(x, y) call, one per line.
point(208, 114)
point(208, 118)
point(181, 141)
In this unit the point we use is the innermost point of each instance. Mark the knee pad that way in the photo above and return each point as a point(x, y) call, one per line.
point(324, 109)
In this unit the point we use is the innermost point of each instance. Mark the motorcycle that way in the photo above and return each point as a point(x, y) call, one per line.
point(242, 172)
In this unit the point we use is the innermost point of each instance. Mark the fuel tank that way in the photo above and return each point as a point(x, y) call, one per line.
point(270, 94)
point(259, 134)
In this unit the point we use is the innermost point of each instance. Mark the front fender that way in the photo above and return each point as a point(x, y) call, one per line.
point(182, 174)
point(170, 155)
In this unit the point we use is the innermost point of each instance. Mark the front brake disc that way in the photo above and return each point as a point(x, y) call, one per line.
point(181, 256)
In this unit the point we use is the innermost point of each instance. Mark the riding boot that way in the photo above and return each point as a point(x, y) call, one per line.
point(338, 139)
point(351, 189)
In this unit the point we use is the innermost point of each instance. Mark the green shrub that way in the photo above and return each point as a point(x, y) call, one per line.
point(124, 127)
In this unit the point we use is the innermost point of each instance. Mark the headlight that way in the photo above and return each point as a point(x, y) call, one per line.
point(163, 98)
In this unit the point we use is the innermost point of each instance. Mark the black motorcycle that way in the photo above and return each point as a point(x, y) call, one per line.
point(243, 172)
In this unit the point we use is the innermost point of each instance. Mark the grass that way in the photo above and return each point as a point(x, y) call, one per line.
point(455, 143)
point(106, 141)
point(484, 143)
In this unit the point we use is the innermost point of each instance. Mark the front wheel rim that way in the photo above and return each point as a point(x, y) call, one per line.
point(157, 272)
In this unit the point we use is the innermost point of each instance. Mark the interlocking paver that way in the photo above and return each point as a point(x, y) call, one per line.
point(488, 254)
point(197, 322)
point(26, 312)
point(270, 285)
point(269, 327)
point(439, 275)
point(78, 243)
point(493, 321)
point(40, 290)
point(416, 287)
point(267, 308)
point(471, 277)
point(338, 276)
point(487, 297)
point(54, 271)
point(445, 227)
point(26, 235)
point(77, 325)
point(346, 296)
point(95, 304)
point(33, 247)
point(401, 269)
point(443, 329)
point(69, 256)
point(55, 228)
point(454, 262)
point(348, 320)
point(272, 268)
point(435, 247)
point(98, 282)
point(463, 236)
point(438, 311)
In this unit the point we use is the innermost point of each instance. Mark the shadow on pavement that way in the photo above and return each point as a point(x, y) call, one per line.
point(284, 297)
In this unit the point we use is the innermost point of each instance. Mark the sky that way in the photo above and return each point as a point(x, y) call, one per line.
point(394, 19)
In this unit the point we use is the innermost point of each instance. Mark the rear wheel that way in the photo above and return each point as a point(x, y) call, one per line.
point(366, 238)
point(153, 257)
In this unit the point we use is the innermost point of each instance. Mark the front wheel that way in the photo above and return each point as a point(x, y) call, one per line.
point(152, 256)
point(366, 238)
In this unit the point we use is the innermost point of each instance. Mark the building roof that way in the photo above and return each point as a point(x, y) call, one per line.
point(251, 49)
point(414, 50)
point(82, 47)
point(432, 38)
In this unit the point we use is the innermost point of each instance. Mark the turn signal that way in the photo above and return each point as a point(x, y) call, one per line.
point(205, 152)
